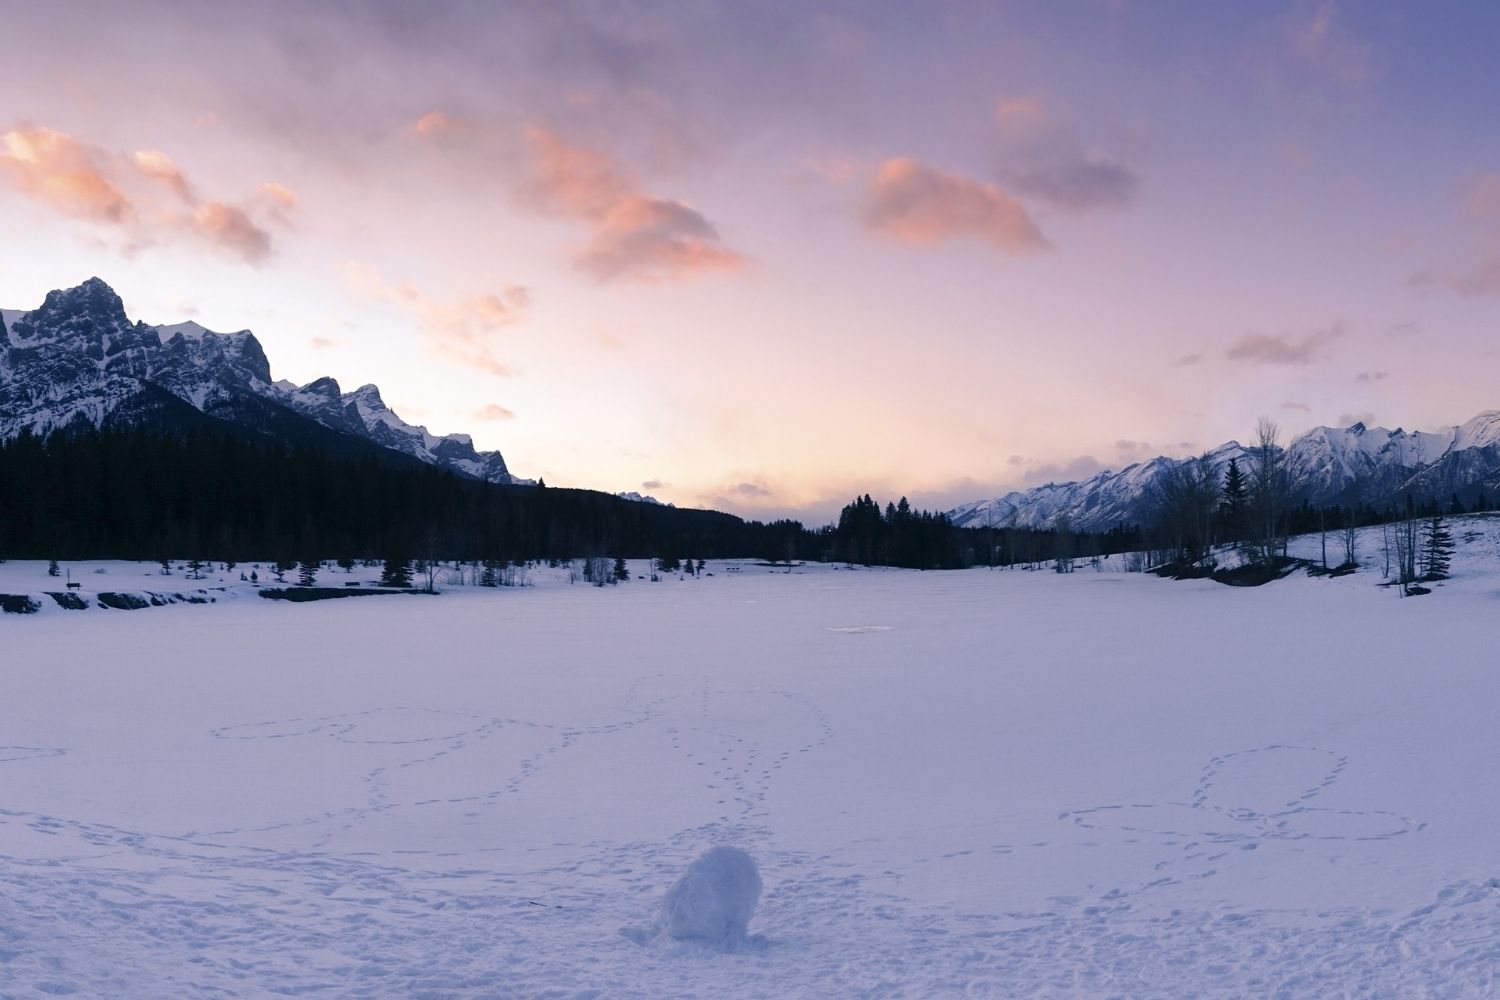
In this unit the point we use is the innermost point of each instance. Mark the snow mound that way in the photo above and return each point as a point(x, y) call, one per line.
point(714, 899)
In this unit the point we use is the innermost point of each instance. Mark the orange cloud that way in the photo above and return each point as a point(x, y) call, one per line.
point(230, 229)
point(634, 235)
point(283, 196)
point(159, 166)
point(464, 330)
point(81, 181)
point(916, 203)
point(58, 170)
point(494, 411)
point(433, 123)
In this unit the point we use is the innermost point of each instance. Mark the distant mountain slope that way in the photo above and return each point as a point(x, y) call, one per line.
point(77, 360)
point(1325, 466)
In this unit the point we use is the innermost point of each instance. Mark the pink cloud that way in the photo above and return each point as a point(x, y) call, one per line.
point(494, 411)
point(230, 229)
point(279, 194)
point(1021, 115)
point(159, 166)
point(81, 181)
point(633, 235)
point(920, 204)
point(464, 330)
point(61, 172)
point(433, 123)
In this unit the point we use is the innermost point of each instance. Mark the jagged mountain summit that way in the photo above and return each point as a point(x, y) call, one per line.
point(1324, 466)
point(78, 361)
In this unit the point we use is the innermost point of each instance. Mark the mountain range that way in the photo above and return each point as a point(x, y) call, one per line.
point(77, 361)
point(1325, 466)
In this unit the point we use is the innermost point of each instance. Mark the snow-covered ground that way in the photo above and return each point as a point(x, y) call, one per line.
point(976, 783)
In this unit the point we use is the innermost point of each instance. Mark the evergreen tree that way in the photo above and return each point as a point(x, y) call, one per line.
point(396, 572)
point(309, 572)
point(52, 569)
point(622, 571)
point(1437, 549)
point(487, 578)
point(282, 568)
point(1234, 502)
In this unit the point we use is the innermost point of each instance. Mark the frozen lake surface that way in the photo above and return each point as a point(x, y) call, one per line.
point(973, 783)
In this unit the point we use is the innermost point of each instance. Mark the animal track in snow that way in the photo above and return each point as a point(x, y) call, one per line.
point(1254, 795)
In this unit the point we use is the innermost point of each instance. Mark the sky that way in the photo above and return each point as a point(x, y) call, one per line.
point(768, 256)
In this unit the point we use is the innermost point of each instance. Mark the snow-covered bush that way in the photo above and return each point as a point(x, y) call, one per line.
point(714, 899)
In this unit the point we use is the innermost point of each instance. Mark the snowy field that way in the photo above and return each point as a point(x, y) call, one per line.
point(981, 784)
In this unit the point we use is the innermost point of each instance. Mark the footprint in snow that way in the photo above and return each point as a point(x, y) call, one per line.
point(1248, 796)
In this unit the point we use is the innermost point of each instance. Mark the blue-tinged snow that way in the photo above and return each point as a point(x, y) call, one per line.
point(977, 783)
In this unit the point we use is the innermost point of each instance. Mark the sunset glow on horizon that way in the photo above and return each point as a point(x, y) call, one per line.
point(766, 257)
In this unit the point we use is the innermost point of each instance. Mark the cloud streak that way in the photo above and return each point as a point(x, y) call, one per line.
point(633, 235)
point(464, 330)
point(1320, 42)
point(1083, 184)
point(919, 204)
point(1279, 349)
point(1043, 160)
point(1481, 279)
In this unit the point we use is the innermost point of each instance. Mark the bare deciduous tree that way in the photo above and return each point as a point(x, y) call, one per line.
point(1349, 535)
point(1269, 486)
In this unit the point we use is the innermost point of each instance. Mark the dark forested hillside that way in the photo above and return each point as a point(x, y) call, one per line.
point(133, 495)
point(136, 494)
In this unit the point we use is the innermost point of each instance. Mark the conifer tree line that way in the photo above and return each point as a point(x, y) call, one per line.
point(139, 495)
point(135, 495)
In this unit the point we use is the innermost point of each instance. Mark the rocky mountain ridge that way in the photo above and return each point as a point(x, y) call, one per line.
point(1325, 466)
point(77, 360)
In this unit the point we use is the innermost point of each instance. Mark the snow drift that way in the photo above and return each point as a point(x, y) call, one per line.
point(714, 900)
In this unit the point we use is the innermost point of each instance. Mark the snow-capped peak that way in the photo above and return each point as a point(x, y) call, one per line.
point(78, 357)
point(1325, 466)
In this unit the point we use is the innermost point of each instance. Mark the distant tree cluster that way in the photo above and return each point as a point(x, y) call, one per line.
point(1200, 506)
point(897, 536)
